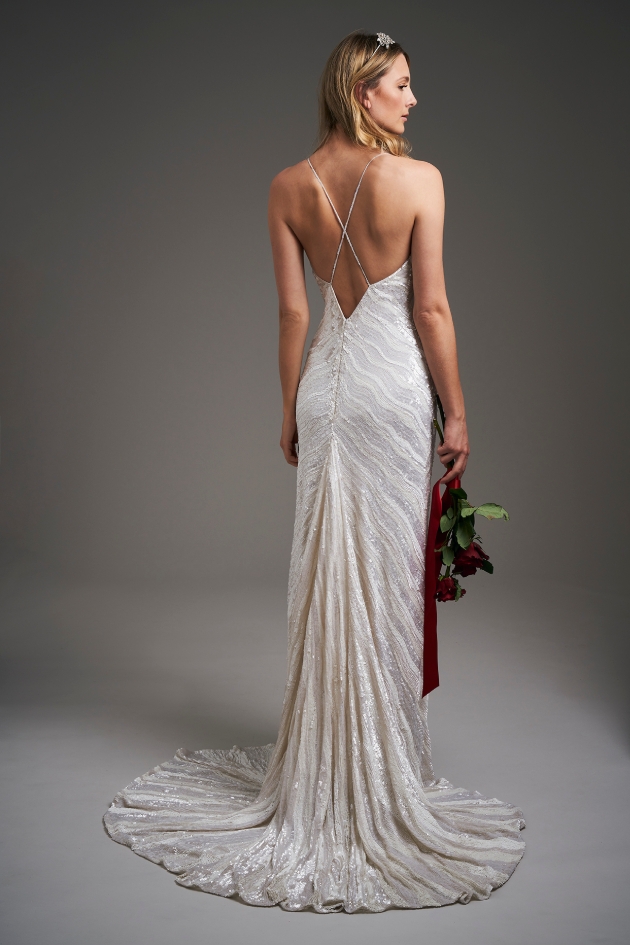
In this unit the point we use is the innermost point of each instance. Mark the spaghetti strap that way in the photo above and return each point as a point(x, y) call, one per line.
point(344, 226)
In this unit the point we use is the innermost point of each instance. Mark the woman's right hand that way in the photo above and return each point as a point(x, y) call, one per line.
point(289, 438)
point(454, 449)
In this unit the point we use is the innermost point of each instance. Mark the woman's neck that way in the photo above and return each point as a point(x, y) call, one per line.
point(340, 145)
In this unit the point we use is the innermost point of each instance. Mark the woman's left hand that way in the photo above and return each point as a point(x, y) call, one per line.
point(289, 439)
point(454, 450)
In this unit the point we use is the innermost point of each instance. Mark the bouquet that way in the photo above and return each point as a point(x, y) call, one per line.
point(460, 546)
point(453, 551)
point(457, 541)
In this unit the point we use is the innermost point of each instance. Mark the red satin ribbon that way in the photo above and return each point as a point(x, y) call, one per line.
point(433, 562)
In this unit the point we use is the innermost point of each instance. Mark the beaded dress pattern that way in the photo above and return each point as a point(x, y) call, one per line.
point(343, 811)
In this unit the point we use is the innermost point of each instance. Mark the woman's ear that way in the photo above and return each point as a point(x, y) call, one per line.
point(361, 94)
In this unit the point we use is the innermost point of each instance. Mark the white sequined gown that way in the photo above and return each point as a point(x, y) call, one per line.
point(344, 810)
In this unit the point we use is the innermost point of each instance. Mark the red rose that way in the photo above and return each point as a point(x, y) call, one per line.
point(469, 560)
point(447, 589)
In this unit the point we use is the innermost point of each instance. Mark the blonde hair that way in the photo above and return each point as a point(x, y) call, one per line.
point(352, 62)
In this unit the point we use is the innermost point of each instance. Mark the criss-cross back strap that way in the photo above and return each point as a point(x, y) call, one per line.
point(344, 226)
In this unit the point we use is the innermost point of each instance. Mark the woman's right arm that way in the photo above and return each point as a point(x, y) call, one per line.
point(432, 316)
point(288, 262)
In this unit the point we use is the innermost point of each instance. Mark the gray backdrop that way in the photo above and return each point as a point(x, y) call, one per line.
point(140, 397)
point(146, 510)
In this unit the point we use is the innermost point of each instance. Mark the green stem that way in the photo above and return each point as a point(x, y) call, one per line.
point(441, 409)
point(440, 429)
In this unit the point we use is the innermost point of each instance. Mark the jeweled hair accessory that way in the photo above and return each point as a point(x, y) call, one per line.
point(382, 40)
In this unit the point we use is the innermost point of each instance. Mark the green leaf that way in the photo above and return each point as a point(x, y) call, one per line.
point(445, 524)
point(464, 532)
point(459, 493)
point(447, 555)
point(458, 592)
point(467, 511)
point(492, 510)
point(488, 566)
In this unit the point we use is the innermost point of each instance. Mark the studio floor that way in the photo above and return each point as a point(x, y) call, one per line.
point(104, 681)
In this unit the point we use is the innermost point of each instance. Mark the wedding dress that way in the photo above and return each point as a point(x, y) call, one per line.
point(344, 810)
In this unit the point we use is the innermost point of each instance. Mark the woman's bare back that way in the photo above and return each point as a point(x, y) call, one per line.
point(398, 215)
point(381, 224)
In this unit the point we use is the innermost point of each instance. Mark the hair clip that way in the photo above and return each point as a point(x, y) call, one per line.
point(382, 40)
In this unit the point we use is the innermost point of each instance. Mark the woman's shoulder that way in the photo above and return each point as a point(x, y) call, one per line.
point(408, 182)
point(408, 169)
point(287, 179)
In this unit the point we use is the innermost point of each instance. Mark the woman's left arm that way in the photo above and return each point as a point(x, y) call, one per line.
point(288, 263)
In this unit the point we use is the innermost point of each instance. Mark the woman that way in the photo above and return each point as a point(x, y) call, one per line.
point(344, 811)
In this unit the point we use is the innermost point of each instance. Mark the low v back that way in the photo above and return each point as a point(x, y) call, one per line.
point(346, 237)
point(344, 226)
